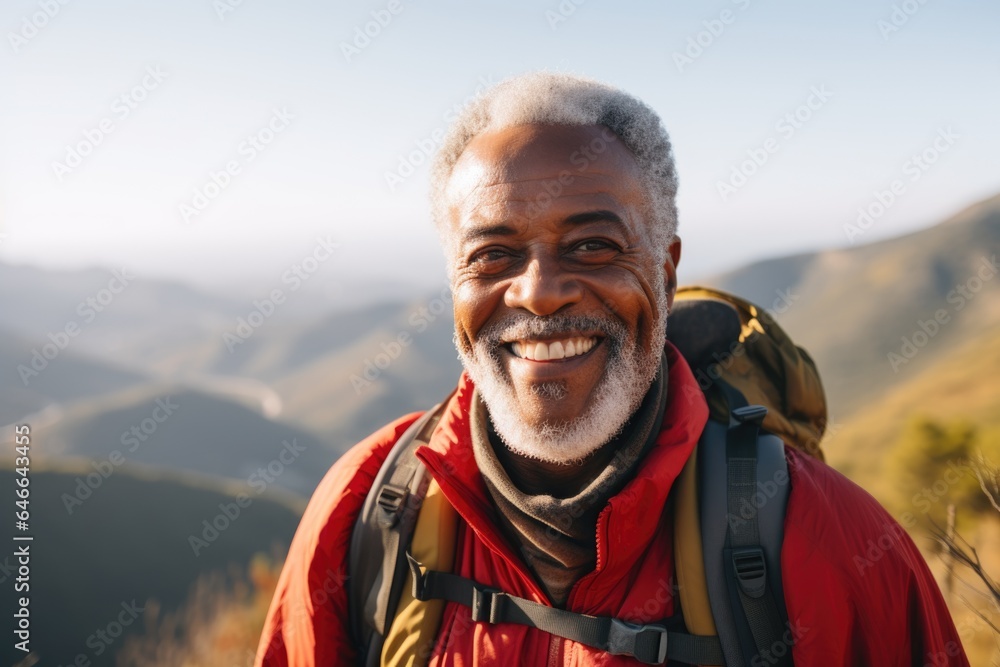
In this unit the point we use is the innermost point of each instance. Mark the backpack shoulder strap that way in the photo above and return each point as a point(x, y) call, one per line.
point(742, 533)
point(377, 563)
point(413, 633)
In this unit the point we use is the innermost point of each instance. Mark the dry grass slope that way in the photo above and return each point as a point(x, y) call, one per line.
point(964, 384)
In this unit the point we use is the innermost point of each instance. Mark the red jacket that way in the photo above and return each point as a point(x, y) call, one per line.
point(857, 590)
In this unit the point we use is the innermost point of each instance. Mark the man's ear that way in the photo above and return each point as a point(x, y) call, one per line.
point(670, 270)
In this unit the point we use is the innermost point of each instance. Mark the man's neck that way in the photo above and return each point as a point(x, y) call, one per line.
point(559, 480)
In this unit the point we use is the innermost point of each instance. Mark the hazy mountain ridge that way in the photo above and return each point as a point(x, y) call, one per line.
point(184, 429)
point(406, 362)
point(33, 381)
point(852, 308)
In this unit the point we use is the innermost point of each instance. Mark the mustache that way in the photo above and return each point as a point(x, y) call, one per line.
point(518, 326)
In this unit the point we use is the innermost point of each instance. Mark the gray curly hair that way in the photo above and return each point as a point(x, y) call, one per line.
point(563, 99)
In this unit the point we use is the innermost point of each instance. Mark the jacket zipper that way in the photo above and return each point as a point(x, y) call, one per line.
point(555, 657)
point(556, 643)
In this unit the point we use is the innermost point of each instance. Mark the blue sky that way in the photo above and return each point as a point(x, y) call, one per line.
point(208, 83)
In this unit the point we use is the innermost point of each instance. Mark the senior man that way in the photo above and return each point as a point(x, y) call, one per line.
point(574, 416)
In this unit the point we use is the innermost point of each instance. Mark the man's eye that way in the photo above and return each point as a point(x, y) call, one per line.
point(593, 245)
point(490, 255)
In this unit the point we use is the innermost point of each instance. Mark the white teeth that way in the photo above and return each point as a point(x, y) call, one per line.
point(559, 349)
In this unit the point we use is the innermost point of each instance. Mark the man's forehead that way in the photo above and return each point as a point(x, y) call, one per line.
point(537, 150)
point(550, 166)
point(512, 203)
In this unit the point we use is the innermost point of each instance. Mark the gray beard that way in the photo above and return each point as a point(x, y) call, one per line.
point(627, 378)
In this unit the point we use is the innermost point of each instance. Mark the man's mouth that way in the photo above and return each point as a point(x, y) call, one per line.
point(553, 349)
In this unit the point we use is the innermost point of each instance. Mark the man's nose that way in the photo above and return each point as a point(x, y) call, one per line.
point(543, 287)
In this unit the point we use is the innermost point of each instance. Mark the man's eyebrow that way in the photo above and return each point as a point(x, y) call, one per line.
point(503, 229)
point(485, 231)
point(602, 215)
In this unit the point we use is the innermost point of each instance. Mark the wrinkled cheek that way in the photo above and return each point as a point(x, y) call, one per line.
point(470, 313)
point(463, 333)
point(463, 341)
point(646, 321)
point(629, 298)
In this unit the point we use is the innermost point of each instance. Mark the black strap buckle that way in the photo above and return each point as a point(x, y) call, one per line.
point(391, 500)
point(419, 588)
point(646, 643)
point(751, 570)
point(487, 604)
point(750, 414)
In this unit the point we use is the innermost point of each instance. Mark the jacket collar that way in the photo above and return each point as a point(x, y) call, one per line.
point(625, 526)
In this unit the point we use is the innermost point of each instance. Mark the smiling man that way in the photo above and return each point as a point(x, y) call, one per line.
point(560, 303)
point(548, 473)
